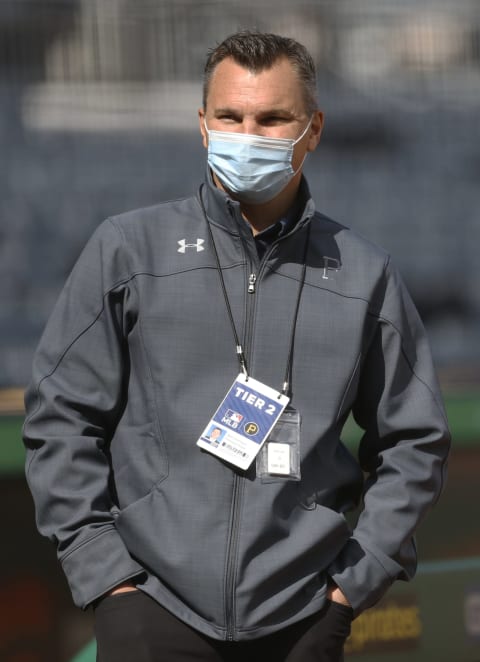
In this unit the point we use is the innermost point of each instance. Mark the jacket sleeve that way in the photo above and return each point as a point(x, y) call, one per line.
point(72, 405)
point(403, 450)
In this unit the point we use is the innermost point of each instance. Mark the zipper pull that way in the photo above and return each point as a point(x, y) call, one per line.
point(251, 283)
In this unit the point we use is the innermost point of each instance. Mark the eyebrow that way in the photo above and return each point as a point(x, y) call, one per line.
point(225, 111)
point(275, 112)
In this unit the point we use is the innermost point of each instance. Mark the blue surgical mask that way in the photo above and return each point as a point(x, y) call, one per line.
point(254, 168)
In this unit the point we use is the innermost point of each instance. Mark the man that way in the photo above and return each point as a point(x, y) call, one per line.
point(212, 554)
point(215, 435)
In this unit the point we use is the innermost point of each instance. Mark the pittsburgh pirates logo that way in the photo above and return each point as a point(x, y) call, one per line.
point(251, 429)
point(329, 264)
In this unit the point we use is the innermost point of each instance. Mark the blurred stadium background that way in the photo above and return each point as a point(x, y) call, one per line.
point(98, 104)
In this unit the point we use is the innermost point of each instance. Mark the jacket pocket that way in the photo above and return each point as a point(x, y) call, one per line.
point(139, 461)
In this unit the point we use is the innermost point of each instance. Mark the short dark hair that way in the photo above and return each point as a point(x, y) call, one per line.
point(257, 51)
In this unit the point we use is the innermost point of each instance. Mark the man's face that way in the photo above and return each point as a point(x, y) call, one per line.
point(268, 103)
point(215, 433)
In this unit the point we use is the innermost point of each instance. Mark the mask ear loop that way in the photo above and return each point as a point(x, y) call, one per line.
point(300, 166)
point(297, 141)
point(304, 132)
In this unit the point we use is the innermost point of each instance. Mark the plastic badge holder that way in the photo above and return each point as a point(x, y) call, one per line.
point(279, 458)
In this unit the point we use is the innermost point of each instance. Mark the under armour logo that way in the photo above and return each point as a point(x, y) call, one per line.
point(182, 245)
point(329, 264)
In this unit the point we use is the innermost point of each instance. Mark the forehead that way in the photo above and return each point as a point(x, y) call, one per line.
point(278, 87)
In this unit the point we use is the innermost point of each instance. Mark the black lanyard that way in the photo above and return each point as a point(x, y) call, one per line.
point(286, 389)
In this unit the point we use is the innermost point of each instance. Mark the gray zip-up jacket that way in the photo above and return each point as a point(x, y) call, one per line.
point(135, 359)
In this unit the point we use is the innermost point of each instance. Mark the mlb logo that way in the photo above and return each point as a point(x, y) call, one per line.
point(232, 418)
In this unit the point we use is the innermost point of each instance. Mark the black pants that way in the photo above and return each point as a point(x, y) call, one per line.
point(131, 627)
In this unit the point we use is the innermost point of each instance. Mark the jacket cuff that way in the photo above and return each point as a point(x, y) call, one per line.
point(363, 576)
point(98, 565)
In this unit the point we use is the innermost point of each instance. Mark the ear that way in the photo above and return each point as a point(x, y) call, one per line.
point(201, 120)
point(316, 128)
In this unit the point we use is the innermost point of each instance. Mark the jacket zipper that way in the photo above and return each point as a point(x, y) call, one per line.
point(232, 549)
point(232, 556)
point(252, 278)
point(230, 573)
point(237, 487)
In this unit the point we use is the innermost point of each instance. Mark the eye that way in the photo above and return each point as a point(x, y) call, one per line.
point(274, 120)
point(227, 117)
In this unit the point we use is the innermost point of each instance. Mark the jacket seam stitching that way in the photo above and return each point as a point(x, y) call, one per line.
point(347, 387)
point(430, 391)
point(409, 363)
point(71, 344)
point(183, 271)
point(155, 410)
point(151, 401)
point(65, 556)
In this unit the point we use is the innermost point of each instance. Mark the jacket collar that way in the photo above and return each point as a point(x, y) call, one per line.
point(225, 212)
